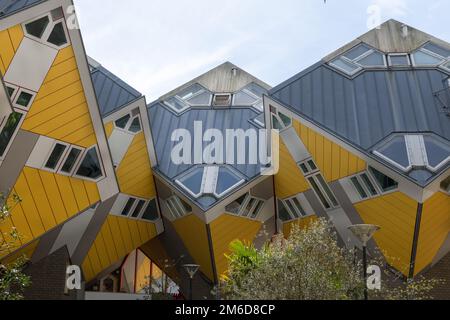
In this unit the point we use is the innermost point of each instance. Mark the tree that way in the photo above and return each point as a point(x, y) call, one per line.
point(309, 265)
point(12, 280)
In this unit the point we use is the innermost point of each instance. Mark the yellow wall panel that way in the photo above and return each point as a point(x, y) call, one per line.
point(434, 229)
point(60, 110)
point(289, 180)
point(10, 40)
point(396, 214)
point(16, 35)
point(143, 271)
point(134, 173)
point(302, 223)
point(117, 238)
point(334, 161)
point(109, 128)
point(47, 200)
point(192, 232)
point(225, 230)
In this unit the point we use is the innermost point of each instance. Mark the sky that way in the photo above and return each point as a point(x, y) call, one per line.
point(158, 45)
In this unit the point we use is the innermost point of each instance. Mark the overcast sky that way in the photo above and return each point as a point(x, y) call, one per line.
point(157, 45)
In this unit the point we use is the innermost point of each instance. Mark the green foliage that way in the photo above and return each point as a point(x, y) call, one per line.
point(12, 280)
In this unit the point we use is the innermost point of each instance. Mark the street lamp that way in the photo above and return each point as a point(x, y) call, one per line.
point(191, 270)
point(364, 232)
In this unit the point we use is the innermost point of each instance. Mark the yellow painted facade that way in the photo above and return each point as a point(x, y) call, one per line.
point(434, 229)
point(192, 232)
point(143, 271)
point(301, 223)
point(25, 252)
point(289, 180)
point(109, 128)
point(134, 173)
point(10, 40)
point(117, 238)
point(60, 110)
point(396, 214)
point(47, 200)
point(334, 161)
point(225, 230)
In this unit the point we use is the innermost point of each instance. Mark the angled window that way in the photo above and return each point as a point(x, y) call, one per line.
point(345, 66)
point(193, 182)
point(37, 28)
point(177, 207)
point(129, 124)
point(196, 96)
point(251, 95)
point(372, 60)
point(358, 51)
point(58, 35)
point(138, 208)
point(11, 91)
point(438, 50)
point(399, 60)
point(9, 130)
point(128, 206)
point(368, 184)
point(260, 120)
point(384, 182)
point(280, 121)
point(426, 58)
point(295, 209)
point(90, 166)
point(135, 125)
point(445, 185)
point(24, 99)
point(395, 151)
point(308, 167)
point(235, 206)
point(357, 58)
point(71, 160)
point(246, 206)
point(176, 104)
point(122, 122)
point(283, 213)
point(151, 211)
point(55, 156)
point(358, 186)
point(438, 153)
point(226, 181)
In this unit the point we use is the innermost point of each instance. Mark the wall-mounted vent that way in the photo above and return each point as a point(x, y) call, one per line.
point(222, 100)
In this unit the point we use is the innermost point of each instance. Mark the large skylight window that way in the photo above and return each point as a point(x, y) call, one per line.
point(414, 152)
point(250, 96)
point(210, 181)
point(192, 96)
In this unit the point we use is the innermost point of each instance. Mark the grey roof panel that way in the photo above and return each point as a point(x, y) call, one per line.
point(112, 92)
point(9, 7)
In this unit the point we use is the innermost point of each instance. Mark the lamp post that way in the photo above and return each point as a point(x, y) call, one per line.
point(364, 232)
point(191, 270)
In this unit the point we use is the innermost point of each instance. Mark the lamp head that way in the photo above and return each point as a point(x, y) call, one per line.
point(364, 232)
point(191, 269)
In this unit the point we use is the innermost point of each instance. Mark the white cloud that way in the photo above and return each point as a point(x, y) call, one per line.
point(392, 8)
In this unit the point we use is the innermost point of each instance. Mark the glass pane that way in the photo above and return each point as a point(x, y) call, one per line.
point(90, 167)
point(327, 190)
point(203, 99)
point(436, 152)
point(356, 52)
point(58, 36)
point(401, 60)
point(206, 201)
point(386, 184)
point(127, 208)
point(374, 59)
point(138, 209)
point(369, 184)
point(193, 181)
point(8, 131)
point(151, 212)
point(359, 187)
point(421, 175)
point(24, 99)
point(10, 91)
point(291, 208)
point(260, 120)
point(37, 27)
point(445, 185)
point(135, 126)
point(348, 67)
point(286, 120)
point(174, 209)
point(71, 160)
point(191, 91)
point(299, 206)
point(396, 151)
point(276, 124)
point(283, 214)
point(256, 89)
point(319, 193)
point(437, 49)
point(248, 207)
point(55, 156)
point(236, 205)
point(258, 208)
point(122, 122)
point(186, 207)
point(243, 99)
point(226, 180)
point(425, 59)
point(176, 104)
point(312, 165)
point(304, 168)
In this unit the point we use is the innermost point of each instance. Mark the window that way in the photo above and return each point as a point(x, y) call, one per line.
point(384, 182)
point(214, 181)
point(364, 186)
point(345, 65)
point(438, 153)
point(129, 124)
point(24, 99)
point(445, 185)
point(308, 167)
point(177, 207)
point(9, 130)
point(151, 211)
point(222, 100)
point(399, 60)
point(137, 210)
point(246, 206)
point(251, 95)
point(294, 208)
point(193, 96)
point(55, 156)
point(357, 58)
point(260, 120)
point(425, 58)
point(395, 150)
point(37, 27)
point(280, 121)
point(176, 104)
point(71, 160)
point(90, 166)
point(127, 209)
point(438, 50)
point(58, 35)
point(359, 188)
point(323, 191)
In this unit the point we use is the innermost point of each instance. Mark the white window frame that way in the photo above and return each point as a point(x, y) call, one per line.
point(251, 94)
point(128, 125)
point(399, 55)
point(15, 88)
point(251, 214)
point(172, 107)
point(48, 31)
point(17, 95)
point(442, 66)
point(311, 171)
point(19, 125)
point(80, 156)
point(186, 100)
point(322, 190)
point(277, 116)
point(145, 208)
point(298, 215)
point(377, 184)
point(351, 74)
point(174, 199)
point(366, 54)
point(230, 100)
point(361, 181)
point(81, 161)
point(63, 156)
point(415, 64)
